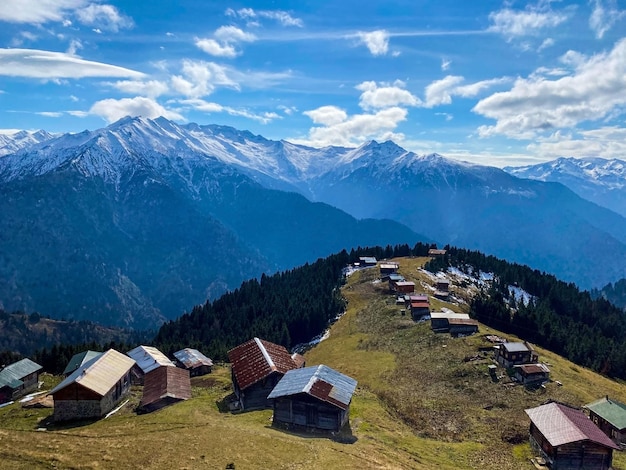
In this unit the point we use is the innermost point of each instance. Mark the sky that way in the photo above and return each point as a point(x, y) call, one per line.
point(491, 82)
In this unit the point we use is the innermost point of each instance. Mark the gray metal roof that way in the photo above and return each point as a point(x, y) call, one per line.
point(516, 347)
point(13, 374)
point(321, 382)
point(191, 358)
point(149, 358)
point(79, 359)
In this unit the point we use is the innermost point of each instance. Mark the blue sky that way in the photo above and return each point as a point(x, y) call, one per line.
point(493, 82)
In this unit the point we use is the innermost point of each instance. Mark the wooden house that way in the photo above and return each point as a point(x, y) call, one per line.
point(404, 287)
point(314, 398)
point(442, 288)
point(393, 278)
point(387, 268)
point(419, 309)
point(78, 360)
point(257, 366)
point(610, 416)
point(531, 374)
point(433, 252)
point(147, 358)
point(18, 379)
point(367, 261)
point(511, 354)
point(94, 389)
point(462, 326)
point(194, 361)
point(568, 440)
point(164, 386)
point(440, 321)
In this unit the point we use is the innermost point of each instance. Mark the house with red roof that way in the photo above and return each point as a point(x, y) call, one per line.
point(567, 439)
point(256, 367)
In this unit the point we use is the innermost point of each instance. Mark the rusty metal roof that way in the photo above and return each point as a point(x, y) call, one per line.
point(321, 382)
point(419, 304)
point(462, 321)
point(165, 382)
point(560, 424)
point(533, 368)
point(149, 358)
point(192, 358)
point(100, 374)
point(256, 359)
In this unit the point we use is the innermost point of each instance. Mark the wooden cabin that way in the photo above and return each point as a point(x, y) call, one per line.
point(387, 268)
point(194, 361)
point(256, 367)
point(18, 379)
point(94, 389)
point(531, 374)
point(440, 321)
point(367, 261)
point(313, 398)
point(462, 326)
point(433, 252)
point(78, 360)
point(404, 287)
point(393, 278)
point(419, 309)
point(164, 386)
point(511, 354)
point(148, 358)
point(610, 416)
point(568, 440)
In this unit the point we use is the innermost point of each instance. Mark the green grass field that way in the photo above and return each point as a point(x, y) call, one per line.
point(420, 404)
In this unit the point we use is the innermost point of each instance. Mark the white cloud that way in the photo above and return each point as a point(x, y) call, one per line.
point(233, 34)
point(211, 107)
point(376, 41)
point(604, 16)
point(34, 63)
point(224, 44)
point(105, 17)
point(327, 115)
point(74, 46)
point(607, 142)
point(200, 78)
point(547, 42)
point(445, 64)
point(376, 97)
point(150, 88)
point(53, 114)
point(112, 110)
point(440, 92)
point(214, 48)
point(517, 23)
point(593, 91)
point(281, 16)
point(352, 130)
point(37, 11)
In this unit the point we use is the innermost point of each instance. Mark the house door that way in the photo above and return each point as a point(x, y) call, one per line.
point(311, 415)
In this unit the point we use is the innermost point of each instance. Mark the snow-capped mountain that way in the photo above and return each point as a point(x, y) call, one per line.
point(596, 179)
point(10, 143)
point(137, 222)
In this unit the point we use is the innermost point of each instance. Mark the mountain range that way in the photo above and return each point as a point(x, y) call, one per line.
point(600, 180)
point(137, 222)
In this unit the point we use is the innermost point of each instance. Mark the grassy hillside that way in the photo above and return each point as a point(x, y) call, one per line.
point(419, 405)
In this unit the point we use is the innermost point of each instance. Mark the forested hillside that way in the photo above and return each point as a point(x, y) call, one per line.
point(556, 316)
point(613, 292)
point(287, 308)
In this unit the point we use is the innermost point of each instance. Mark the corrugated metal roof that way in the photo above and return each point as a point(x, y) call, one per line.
point(419, 304)
point(99, 374)
point(396, 277)
point(13, 374)
point(165, 382)
point(610, 410)
point(79, 359)
point(533, 368)
point(321, 382)
point(560, 424)
point(256, 359)
point(418, 298)
point(192, 358)
point(448, 315)
point(516, 347)
point(462, 321)
point(388, 266)
point(149, 358)
point(405, 283)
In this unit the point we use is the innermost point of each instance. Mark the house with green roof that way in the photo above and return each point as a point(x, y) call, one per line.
point(18, 379)
point(610, 416)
